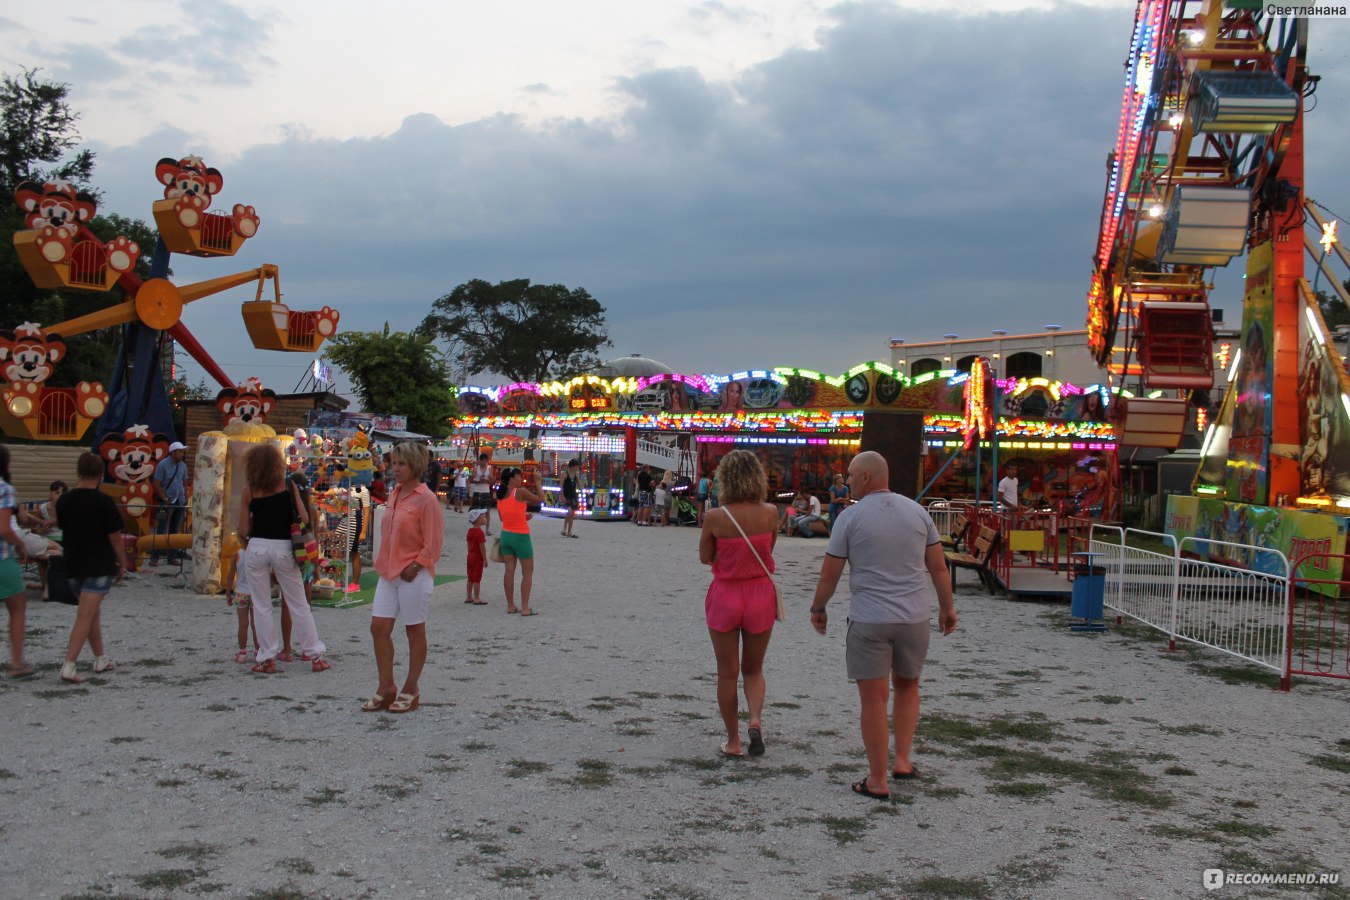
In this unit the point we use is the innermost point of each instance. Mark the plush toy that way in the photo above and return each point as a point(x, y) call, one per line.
point(245, 405)
point(360, 462)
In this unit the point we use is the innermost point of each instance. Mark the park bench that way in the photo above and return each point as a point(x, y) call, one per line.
point(978, 556)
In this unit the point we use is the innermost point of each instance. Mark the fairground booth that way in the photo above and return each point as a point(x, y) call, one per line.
point(805, 426)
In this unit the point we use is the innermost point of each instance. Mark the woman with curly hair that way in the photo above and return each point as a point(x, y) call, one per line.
point(737, 541)
point(270, 503)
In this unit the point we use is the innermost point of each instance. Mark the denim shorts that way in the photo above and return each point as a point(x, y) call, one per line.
point(94, 584)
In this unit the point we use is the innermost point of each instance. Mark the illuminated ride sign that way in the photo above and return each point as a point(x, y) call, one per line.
point(979, 416)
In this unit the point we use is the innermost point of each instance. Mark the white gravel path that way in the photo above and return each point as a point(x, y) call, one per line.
point(574, 754)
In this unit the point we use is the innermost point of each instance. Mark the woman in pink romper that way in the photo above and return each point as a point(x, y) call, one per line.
point(741, 602)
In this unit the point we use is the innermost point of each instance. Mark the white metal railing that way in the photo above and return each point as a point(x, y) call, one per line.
point(1235, 610)
point(651, 453)
point(1242, 611)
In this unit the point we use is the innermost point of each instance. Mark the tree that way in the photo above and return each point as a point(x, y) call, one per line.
point(1334, 311)
point(398, 374)
point(179, 393)
point(522, 331)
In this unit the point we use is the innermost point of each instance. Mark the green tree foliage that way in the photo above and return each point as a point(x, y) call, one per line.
point(179, 393)
point(526, 332)
point(37, 136)
point(398, 374)
point(1333, 308)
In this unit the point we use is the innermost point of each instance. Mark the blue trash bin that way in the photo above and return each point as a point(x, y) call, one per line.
point(1089, 594)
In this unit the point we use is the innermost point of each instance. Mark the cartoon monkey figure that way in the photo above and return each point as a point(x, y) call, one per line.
point(248, 403)
point(131, 458)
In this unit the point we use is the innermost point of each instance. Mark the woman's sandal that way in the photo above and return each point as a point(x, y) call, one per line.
point(286, 656)
point(269, 667)
point(68, 674)
point(321, 665)
point(23, 670)
point(378, 702)
point(242, 656)
point(405, 702)
point(104, 664)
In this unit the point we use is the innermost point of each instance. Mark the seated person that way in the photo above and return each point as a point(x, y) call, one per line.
point(37, 547)
point(800, 506)
point(802, 524)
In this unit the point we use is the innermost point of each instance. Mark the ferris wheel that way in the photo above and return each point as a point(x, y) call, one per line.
point(1207, 167)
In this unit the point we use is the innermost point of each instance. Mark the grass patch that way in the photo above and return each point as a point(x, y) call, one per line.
point(1333, 762)
point(1110, 699)
point(62, 692)
point(401, 790)
point(1178, 770)
point(697, 762)
point(845, 829)
point(783, 704)
point(475, 746)
point(6, 773)
point(197, 852)
point(1243, 829)
point(1192, 729)
point(298, 865)
point(634, 727)
point(519, 768)
point(1254, 675)
point(594, 773)
point(1023, 790)
point(1113, 780)
point(125, 739)
point(287, 891)
point(170, 783)
point(323, 796)
point(869, 883)
point(945, 886)
point(167, 879)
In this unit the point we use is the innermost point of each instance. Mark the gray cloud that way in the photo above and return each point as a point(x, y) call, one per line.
point(913, 175)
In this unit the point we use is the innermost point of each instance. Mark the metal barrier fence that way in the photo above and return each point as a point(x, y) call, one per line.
point(1239, 611)
point(1319, 618)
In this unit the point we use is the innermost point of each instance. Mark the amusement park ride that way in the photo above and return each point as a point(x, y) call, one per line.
point(1208, 166)
point(60, 252)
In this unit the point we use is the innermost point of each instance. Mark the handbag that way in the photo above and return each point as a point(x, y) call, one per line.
point(777, 591)
point(303, 544)
point(495, 554)
point(58, 583)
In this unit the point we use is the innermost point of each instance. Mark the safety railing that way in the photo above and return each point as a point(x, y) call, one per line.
point(1191, 591)
point(1240, 611)
point(1318, 619)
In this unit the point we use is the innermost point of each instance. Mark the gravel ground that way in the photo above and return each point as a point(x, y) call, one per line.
point(575, 754)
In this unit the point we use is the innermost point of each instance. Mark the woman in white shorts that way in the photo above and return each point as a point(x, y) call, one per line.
point(410, 544)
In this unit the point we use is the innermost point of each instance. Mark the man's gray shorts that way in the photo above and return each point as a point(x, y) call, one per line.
point(880, 650)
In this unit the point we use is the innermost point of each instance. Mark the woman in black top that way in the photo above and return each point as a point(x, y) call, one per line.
point(570, 495)
point(268, 507)
point(95, 559)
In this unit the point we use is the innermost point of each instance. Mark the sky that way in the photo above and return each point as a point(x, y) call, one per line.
point(741, 186)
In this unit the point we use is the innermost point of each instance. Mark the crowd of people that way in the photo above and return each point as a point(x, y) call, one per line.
point(887, 542)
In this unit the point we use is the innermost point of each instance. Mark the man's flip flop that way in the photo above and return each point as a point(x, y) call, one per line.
point(860, 787)
point(530, 613)
point(477, 602)
point(756, 742)
point(912, 773)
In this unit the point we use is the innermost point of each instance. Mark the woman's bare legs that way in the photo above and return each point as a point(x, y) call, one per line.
point(382, 636)
point(726, 647)
point(18, 609)
point(752, 672)
point(526, 583)
point(417, 657)
point(509, 582)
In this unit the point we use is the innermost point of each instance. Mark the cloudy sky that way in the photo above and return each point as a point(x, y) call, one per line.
point(741, 186)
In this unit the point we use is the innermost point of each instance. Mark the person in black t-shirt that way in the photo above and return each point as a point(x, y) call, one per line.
point(644, 504)
point(571, 496)
point(95, 560)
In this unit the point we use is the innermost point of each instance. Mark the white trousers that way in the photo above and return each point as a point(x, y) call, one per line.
point(263, 559)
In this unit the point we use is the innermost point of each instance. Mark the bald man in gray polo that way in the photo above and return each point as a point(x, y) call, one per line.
point(895, 564)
